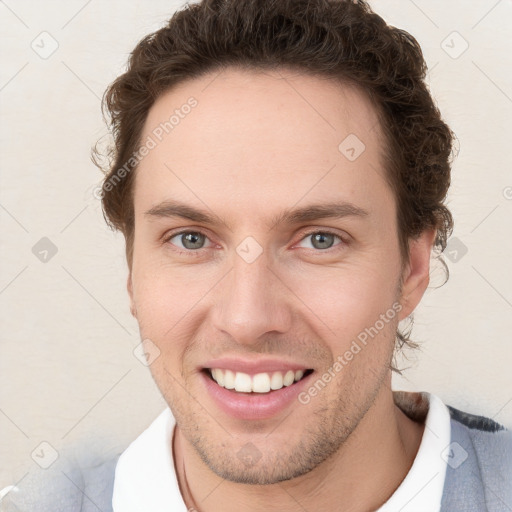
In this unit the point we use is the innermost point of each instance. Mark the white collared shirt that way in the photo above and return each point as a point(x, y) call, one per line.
point(145, 478)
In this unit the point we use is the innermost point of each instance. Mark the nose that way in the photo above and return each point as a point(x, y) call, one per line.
point(252, 302)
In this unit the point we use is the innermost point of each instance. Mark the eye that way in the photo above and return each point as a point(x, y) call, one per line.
point(189, 240)
point(321, 239)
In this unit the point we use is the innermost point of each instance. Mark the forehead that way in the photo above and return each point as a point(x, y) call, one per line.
point(257, 139)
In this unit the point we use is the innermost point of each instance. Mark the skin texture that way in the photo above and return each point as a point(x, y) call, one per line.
point(257, 144)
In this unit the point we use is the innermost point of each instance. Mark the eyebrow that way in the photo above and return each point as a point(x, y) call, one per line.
point(290, 216)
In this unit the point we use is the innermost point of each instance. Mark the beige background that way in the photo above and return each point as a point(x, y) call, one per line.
point(67, 369)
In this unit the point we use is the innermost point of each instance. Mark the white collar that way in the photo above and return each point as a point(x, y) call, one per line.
point(145, 478)
point(422, 488)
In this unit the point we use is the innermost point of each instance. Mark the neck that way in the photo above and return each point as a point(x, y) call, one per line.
point(362, 475)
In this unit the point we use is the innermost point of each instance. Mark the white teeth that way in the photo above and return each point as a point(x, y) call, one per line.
point(243, 382)
point(276, 382)
point(229, 379)
point(219, 377)
point(288, 378)
point(259, 383)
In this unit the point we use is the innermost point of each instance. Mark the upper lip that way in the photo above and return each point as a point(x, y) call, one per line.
point(255, 366)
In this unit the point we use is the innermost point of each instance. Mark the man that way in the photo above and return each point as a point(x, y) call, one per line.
point(279, 175)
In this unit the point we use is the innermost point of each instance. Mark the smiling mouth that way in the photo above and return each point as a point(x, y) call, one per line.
point(259, 383)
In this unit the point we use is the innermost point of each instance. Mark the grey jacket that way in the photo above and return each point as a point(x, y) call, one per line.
point(480, 482)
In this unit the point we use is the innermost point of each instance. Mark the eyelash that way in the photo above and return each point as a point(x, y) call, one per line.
point(197, 252)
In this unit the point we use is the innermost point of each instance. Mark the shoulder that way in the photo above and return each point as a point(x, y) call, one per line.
point(473, 422)
point(479, 464)
point(490, 441)
point(65, 487)
point(99, 484)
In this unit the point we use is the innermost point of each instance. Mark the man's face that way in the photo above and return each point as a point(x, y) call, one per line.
point(255, 290)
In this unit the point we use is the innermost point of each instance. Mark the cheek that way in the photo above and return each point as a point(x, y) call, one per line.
point(347, 299)
point(169, 302)
point(161, 291)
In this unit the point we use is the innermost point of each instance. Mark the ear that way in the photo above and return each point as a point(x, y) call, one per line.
point(415, 276)
point(129, 287)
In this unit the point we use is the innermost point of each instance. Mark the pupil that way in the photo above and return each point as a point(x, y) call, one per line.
point(190, 240)
point(322, 240)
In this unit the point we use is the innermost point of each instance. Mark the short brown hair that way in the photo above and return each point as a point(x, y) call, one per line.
point(339, 39)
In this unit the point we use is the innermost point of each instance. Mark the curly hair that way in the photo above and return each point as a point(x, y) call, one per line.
point(340, 39)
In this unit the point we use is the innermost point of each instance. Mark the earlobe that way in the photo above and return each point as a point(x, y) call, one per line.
point(129, 287)
point(415, 278)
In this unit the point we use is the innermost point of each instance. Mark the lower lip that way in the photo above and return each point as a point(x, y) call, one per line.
point(253, 406)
